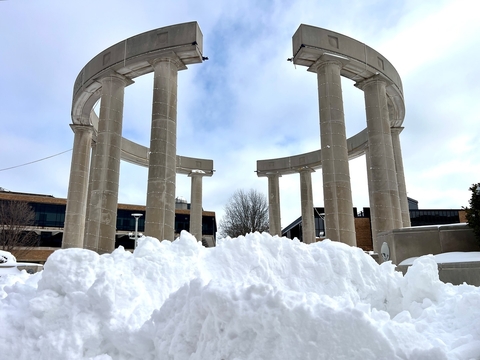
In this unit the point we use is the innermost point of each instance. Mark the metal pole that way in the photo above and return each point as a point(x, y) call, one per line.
point(136, 216)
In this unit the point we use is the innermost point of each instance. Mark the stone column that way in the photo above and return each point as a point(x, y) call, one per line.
point(102, 221)
point(339, 220)
point(90, 243)
point(382, 179)
point(402, 188)
point(373, 209)
point(306, 195)
point(196, 204)
point(78, 187)
point(160, 209)
point(274, 205)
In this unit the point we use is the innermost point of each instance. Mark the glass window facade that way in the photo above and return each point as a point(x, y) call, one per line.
point(50, 239)
point(417, 217)
point(182, 222)
point(49, 215)
point(433, 217)
point(126, 222)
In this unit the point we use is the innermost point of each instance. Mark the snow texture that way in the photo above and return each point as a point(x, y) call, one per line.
point(253, 297)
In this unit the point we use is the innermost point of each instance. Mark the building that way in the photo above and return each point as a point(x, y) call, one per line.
point(418, 217)
point(50, 217)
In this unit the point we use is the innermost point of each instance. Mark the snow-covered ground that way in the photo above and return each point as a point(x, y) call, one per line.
point(253, 297)
point(450, 257)
point(9, 265)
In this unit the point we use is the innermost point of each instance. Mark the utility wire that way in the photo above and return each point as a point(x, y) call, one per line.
point(32, 162)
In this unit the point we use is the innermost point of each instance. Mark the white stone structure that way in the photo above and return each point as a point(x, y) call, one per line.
point(92, 199)
point(331, 55)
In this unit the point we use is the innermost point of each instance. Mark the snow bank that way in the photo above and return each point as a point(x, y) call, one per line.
point(253, 297)
point(449, 257)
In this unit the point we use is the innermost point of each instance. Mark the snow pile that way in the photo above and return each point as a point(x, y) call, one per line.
point(253, 297)
point(7, 258)
point(450, 257)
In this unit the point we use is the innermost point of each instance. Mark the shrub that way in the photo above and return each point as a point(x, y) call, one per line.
point(472, 213)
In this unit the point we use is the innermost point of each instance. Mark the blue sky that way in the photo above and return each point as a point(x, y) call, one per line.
point(246, 102)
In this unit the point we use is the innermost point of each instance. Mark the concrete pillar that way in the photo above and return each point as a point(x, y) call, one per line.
point(373, 209)
point(102, 222)
point(275, 226)
point(78, 187)
point(196, 204)
point(90, 243)
point(339, 220)
point(402, 188)
point(306, 195)
point(382, 178)
point(160, 209)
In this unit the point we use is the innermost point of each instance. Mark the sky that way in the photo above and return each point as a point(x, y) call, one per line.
point(247, 102)
point(253, 297)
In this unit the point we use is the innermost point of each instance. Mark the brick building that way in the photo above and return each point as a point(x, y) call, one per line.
point(363, 230)
point(50, 217)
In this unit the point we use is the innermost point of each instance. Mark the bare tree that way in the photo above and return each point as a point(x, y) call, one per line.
point(245, 212)
point(16, 220)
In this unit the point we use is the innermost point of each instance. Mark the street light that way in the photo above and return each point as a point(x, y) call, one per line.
point(136, 216)
point(322, 216)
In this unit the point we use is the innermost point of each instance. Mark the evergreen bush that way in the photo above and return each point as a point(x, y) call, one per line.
point(472, 213)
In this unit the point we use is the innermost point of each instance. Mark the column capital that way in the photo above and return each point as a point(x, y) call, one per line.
point(111, 74)
point(273, 175)
point(169, 56)
point(377, 78)
point(305, 169)
point(81, 128)
point(396, 130)
point(195, 173)
point(327, 58)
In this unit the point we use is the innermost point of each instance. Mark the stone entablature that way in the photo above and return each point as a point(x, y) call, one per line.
point(360, 62)
point(131, 58)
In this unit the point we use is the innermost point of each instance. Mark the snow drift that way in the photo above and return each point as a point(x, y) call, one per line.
point(253, 297)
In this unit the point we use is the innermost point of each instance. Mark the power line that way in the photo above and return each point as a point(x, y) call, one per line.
point(32, 162)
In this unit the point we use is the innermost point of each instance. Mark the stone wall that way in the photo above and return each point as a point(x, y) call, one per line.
point(422, 240)
point(36, 255)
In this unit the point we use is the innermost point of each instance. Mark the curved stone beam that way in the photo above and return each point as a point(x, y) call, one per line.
point(361, 62)
point(138, 154)
point(131, 58)
point(291, 164)
point(310, 43)
point(187, 165)
point(134, 153)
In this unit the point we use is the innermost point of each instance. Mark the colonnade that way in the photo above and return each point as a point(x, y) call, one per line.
point(331, 55)
point(386, 187)
point(92, 199)
point(93, 194)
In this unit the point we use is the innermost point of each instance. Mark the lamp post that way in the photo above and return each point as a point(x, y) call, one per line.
point(322, 216)
point(136, 216)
